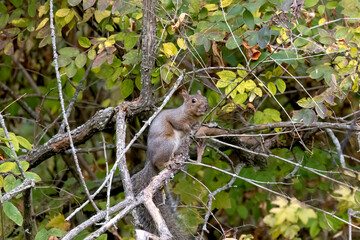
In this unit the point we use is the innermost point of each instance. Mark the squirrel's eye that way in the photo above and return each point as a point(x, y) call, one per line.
point(193, 100)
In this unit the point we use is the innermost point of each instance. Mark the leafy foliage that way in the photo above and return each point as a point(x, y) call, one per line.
point(276, 71)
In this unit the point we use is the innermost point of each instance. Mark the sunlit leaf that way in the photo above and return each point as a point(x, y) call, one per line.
point(6, 167)
point(84, 42)
point(63, 12)
point(13, 213)
point(169, 49)
point(58, 222)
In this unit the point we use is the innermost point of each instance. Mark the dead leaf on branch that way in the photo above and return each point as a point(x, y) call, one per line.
point(218, 54)
point(252, 52)
point(180, 21)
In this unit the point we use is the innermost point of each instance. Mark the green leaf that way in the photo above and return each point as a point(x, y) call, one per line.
point(16, 3)
point(281, 85)
point(272, 88)
point(310, 3)
point(248, 19)
point(42, 235)
point(33, 176)
point(7, 151)
point(6, 167)
point(92, 54)
point(240, 99)
point(84, 42)
point(25, 166)
point(63, 60)
point(309, 116)
point(9, 183)
point(242, 211)
point(314, 230)
point(231, 42)
point(221, 201)
point(69, 51)
point(71, 69)
point(24, 142)
point(13, 213)
point(341, 32)
point(131, 39)
point(80, 60)
point(303, 29)
point(32, 8)
point(127, 87)
point(259, 117)
point(102, 237)
point(273, 114)
point(300, 42)
point(4, 17)
point(56, 232)
point(264, 36)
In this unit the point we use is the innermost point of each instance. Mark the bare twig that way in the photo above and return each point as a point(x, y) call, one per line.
point(28, 183)
point(76, 94)
point(337, 145)
point(53, 38)
point(22, 103)
point(211, 196)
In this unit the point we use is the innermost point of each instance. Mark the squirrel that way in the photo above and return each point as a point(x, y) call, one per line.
point(166, 134)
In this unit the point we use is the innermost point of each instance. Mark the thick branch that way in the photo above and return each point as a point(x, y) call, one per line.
point(338, 126)
point(148, 49)
point(60, 142)
point(157, 183)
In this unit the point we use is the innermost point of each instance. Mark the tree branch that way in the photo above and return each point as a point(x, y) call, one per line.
point(148, 50)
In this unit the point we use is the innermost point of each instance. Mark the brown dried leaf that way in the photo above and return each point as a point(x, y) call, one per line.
point(180, 21)
point(217, 54)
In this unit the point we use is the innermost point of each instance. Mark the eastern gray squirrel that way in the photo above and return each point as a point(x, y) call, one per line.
point(166, 134)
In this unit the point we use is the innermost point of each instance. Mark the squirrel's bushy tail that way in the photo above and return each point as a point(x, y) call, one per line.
point(141, 180)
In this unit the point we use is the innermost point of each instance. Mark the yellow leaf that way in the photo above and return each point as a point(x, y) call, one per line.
point(272, 88)
point(211, 7)
point(59, 222)
point(249, 85)
point(99, 16)
point(258, 91)
point(226, 3)
point(181, 43)
point(322, 21)
point(42, 23)
point(229, 107)
point(109, 43)
point(63, 12)
point(241, 87)
point(169, 49)
point(280, 201)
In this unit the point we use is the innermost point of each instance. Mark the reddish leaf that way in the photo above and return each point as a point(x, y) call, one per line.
point(99, 60)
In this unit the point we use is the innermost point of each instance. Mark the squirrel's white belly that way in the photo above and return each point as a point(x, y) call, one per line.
point(178, 135)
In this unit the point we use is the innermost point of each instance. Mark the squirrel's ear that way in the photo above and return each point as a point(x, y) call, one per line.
point(199, 92)
point(185, 94)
